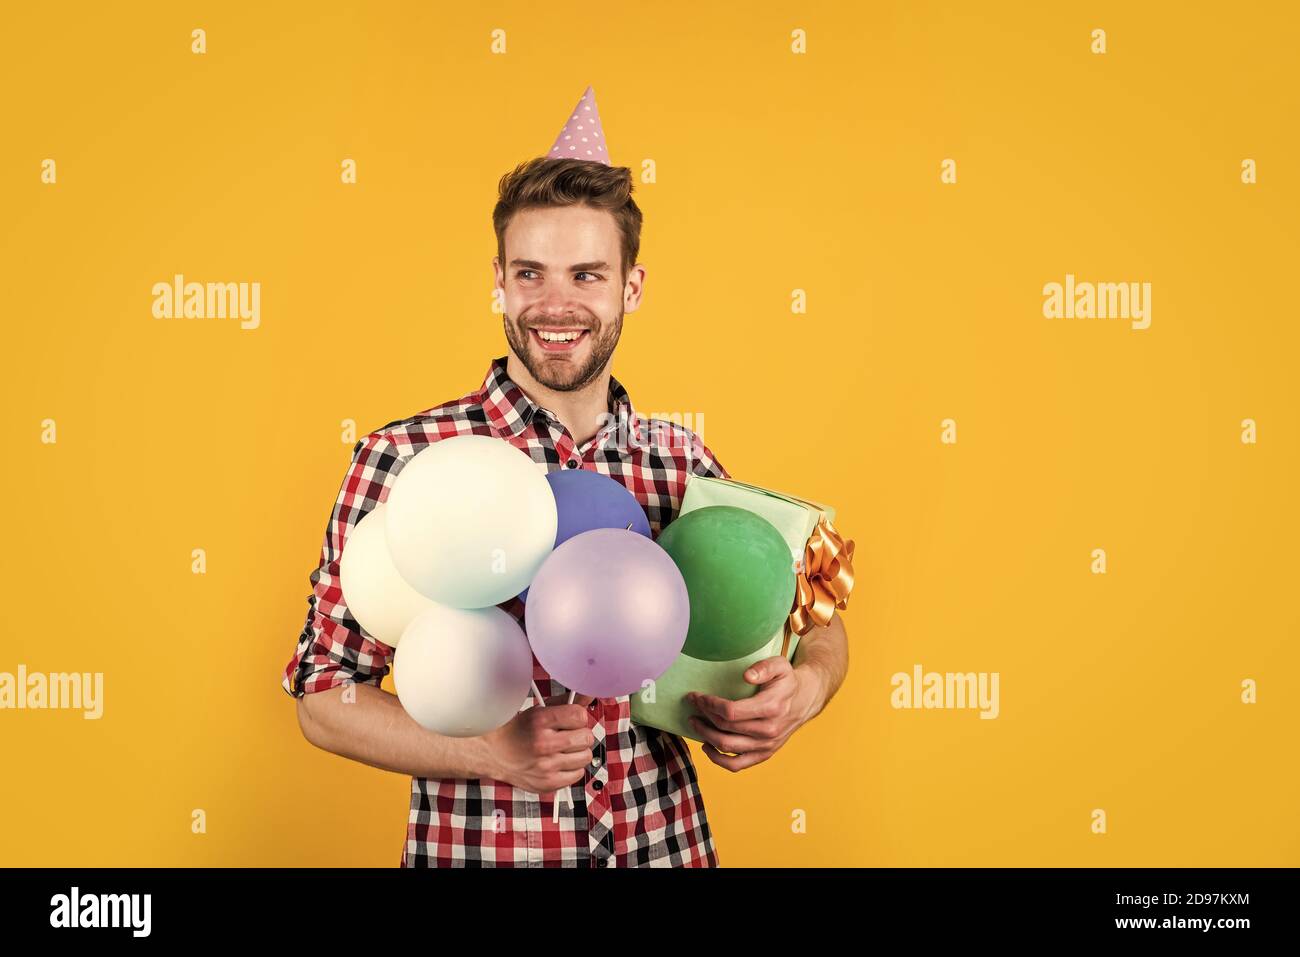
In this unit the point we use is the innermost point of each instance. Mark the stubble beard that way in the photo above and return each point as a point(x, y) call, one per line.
point(562, 376)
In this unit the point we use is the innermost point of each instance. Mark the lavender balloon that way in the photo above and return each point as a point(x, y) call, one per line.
point(585, 500)
point(607, 611)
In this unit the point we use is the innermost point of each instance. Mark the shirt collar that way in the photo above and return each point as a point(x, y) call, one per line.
point(510, 411)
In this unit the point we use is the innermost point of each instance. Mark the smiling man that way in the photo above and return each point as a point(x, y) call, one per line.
point(568, 236)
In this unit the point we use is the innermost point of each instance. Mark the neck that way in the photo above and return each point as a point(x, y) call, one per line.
point(581, 411)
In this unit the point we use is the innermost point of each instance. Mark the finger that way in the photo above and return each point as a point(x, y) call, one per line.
point(713, 715)
point(555, 781)
point(583, 699)
point(569, 778)
point(771, 701)
point(564, 717)
point(732, 743)
point(568, 761)
point(769, 669)
point(580, 740)
point(763, 728)
point(737, 762)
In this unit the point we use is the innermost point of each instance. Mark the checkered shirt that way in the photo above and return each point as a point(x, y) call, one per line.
point(638, 804)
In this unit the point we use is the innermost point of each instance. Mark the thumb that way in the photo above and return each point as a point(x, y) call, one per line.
point(761, 672)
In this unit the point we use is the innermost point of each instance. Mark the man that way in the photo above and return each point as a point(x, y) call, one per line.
point(568, 235)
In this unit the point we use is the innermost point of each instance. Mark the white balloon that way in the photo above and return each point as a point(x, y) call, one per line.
point(378, 597)
point(470, 520)
point(462, 671)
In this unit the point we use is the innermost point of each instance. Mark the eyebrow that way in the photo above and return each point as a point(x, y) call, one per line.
point(577, 267)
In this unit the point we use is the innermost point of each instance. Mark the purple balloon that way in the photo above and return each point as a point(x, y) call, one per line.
point(585, 500)
point(608, 611)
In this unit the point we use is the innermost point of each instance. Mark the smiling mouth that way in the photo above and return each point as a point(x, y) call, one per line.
point(559, 340)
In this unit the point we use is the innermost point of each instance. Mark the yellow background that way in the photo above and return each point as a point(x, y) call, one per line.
point(775, 172)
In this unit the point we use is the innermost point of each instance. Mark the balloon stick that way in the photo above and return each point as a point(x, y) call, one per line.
point(542, 703)
point(572, 695)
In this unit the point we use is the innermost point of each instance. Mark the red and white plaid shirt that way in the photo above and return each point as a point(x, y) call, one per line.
point(638, 804)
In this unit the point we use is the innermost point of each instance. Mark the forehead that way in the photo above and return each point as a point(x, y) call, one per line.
point(563, 234)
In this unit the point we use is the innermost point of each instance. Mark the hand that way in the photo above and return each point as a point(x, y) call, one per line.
point(754, 729)
point(542, 749)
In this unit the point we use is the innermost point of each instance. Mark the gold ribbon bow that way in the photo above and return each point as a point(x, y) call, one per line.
point(824, 579)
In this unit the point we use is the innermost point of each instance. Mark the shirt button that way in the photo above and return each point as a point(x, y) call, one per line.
point(595, 762)
point(572, 463)
point(600, 862)
point(597, 784)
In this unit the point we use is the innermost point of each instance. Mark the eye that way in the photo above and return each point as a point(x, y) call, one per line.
point(521, 273)
point(591, 274)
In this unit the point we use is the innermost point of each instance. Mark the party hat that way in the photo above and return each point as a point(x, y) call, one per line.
point(582, 136)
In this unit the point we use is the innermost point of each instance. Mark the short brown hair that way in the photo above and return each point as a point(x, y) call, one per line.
point(545, 181)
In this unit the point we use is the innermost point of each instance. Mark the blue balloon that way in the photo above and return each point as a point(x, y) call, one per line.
point(587, 500)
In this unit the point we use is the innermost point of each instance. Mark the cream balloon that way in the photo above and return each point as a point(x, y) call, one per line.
point(463, 671)
point(470, 520)
point(376, 595)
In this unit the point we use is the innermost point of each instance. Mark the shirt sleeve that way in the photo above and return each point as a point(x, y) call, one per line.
point(704, 462)
point(333, 649)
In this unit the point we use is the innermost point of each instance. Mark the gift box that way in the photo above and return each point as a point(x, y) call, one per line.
point(806, 527)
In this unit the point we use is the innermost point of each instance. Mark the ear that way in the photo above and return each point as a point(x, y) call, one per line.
point(633, 288)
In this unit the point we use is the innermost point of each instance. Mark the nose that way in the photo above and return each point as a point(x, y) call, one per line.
point(555, 302)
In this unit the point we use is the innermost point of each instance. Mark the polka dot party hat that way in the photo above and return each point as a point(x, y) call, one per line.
point(583, 136)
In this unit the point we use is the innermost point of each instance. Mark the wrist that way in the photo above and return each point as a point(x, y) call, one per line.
point(483, 756)
point(810, 697)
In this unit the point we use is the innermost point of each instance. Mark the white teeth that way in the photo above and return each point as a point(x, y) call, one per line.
point(558, 336)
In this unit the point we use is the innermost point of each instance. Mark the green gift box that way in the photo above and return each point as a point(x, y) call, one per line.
point(795, 519)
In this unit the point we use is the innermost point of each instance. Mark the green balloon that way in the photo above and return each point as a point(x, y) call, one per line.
point(739, 575)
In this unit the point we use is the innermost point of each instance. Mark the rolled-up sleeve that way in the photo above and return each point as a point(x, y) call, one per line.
point(333, 649)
